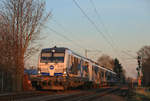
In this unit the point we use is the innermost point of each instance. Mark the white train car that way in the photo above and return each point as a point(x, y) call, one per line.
point(60, 68)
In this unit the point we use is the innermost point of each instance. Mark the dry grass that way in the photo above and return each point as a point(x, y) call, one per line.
point(141, 95)
point(111, 97)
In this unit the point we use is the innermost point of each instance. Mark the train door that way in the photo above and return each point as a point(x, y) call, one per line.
point(66, 61)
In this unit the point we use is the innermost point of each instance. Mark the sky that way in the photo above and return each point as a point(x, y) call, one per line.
point(123, 27)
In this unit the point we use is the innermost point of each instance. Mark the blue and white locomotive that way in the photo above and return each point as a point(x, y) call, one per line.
point(60, 68)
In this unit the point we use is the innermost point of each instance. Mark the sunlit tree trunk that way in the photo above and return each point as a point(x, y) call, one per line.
point(20, 24)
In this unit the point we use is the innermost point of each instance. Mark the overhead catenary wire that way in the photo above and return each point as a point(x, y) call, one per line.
point(133, 57)
point(105, 28)
point(70, 40)
point(65, 30)
point(66, 38)
point(61, 26)
point(101, 21)
point(103, 24)
point(94, 25)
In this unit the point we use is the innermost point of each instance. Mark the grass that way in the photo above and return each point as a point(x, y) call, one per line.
point(140, 95)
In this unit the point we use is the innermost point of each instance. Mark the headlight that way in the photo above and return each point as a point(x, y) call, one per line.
point(64, 72)
point(39, 72)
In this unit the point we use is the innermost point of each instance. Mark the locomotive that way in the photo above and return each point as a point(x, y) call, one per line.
point(61, 68)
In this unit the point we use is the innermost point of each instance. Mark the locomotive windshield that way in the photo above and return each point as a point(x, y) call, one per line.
point(52, 57)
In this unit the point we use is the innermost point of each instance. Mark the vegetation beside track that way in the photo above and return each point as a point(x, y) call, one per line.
point(140, 94)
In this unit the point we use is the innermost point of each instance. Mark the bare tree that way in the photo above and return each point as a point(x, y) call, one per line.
point(106, 61)
point(144, 53)
point(22, 21)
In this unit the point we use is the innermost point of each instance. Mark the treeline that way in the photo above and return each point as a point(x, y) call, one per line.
point(113, 64)
point(143, 67)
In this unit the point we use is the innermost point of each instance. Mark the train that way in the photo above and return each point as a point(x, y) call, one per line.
point(60, 68)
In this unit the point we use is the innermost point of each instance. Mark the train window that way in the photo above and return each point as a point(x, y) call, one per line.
point(58, 54)
point(102, 74)
point(74, 69)
point(85, 66)
point(96, 70)
point(46, 54)
point(85, 69)
point(52, 57)
point(79, 61)
point(108, 76)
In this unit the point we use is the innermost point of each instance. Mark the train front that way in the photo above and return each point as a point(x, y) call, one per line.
point(51, 62)
point(52, 69)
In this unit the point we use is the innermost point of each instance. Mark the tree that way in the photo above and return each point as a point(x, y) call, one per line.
point(106, 61)
point(144, 53)
point(118, 69)
point(20, 25)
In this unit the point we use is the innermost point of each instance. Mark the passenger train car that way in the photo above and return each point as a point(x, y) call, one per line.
point(60, 68)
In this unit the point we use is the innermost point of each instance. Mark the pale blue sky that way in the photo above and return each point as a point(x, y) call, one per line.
point(127, 23)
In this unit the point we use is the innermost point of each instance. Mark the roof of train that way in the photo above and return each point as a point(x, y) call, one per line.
point(60, 49)
point(57, 49)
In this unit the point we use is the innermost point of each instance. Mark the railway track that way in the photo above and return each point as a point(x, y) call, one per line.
point(78, 95)
point(22, 95)
point(26, 96)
